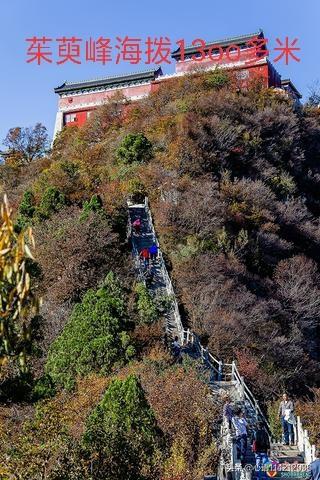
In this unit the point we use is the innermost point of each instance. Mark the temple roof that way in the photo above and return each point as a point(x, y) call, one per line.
point(288, 83)
point(225, 42)
point(109, 82)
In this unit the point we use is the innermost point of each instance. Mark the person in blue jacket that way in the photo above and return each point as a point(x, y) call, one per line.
point(314, 468)
point(153, 250)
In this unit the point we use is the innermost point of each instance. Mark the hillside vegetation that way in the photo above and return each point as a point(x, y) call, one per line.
point(233, 182)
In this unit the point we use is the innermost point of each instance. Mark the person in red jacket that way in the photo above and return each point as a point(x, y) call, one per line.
point(145, 256)
point(137, 226)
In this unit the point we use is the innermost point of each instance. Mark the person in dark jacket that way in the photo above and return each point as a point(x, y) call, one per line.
point(314, 468)
point(261, 448)
point(176, 350)
point(228, 411)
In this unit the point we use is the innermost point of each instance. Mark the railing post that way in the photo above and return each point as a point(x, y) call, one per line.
point(313, 453)
point(233, 368)
point(299, 437)
point(201, 352)
point(220, 371)
point(296, 433)
point(241, 388)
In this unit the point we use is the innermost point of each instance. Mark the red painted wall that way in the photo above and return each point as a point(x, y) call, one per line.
point(266, 72)
point(81, 118)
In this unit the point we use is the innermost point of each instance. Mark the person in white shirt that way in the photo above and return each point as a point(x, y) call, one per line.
point(240, 425)
point(286, 414)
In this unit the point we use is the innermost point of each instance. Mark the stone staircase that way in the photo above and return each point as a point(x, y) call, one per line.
point(286, 453)
point(229, 382)
point(156, 277)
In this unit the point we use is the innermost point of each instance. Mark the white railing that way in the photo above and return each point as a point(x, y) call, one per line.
point(246, 394)
point(213, 363)
point(169, 287)
point(303, 442)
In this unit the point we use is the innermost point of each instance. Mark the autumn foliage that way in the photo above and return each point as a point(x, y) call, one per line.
point(233, 182)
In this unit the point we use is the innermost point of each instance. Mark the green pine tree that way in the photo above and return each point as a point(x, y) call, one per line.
point(121, 433)
point(95, 337)
point(135, 147)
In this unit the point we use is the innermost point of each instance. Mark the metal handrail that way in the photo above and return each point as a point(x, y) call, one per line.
point(249, 395)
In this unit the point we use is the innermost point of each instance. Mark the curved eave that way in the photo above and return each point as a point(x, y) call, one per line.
point(108, 82)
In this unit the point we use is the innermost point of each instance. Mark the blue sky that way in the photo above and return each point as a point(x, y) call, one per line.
point(26, 90)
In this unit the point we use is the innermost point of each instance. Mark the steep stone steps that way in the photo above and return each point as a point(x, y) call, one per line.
point(153, 275)
point(286, 453)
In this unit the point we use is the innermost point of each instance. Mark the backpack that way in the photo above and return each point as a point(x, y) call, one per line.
point(261, 442)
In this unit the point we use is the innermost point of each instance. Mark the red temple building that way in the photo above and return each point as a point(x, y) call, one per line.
point(78, 99)
point(246, 55)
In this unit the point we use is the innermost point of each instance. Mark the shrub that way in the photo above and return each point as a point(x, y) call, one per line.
point(283, 184)
point(309, 410)
point(147, 310)
point(189, 425)
point(26, 210)
point(94, 338)
point(217, 79)
point(45, 441)
point(93, 205)
point(51, 202)
point(78, 253)
point(18, 299)
point(43, 388)
point(136, 189)
point(135, 147)
point(274, 421)
point(27, 205)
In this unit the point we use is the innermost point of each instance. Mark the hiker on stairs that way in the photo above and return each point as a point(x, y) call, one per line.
point(240, 425)
point(261, 448)
point(153, 250)
point(137, 226)
point(149, 277)
point(314, 468)
point(145, 256)
point(228, 411)
point(286, 415)
point(176, 350)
